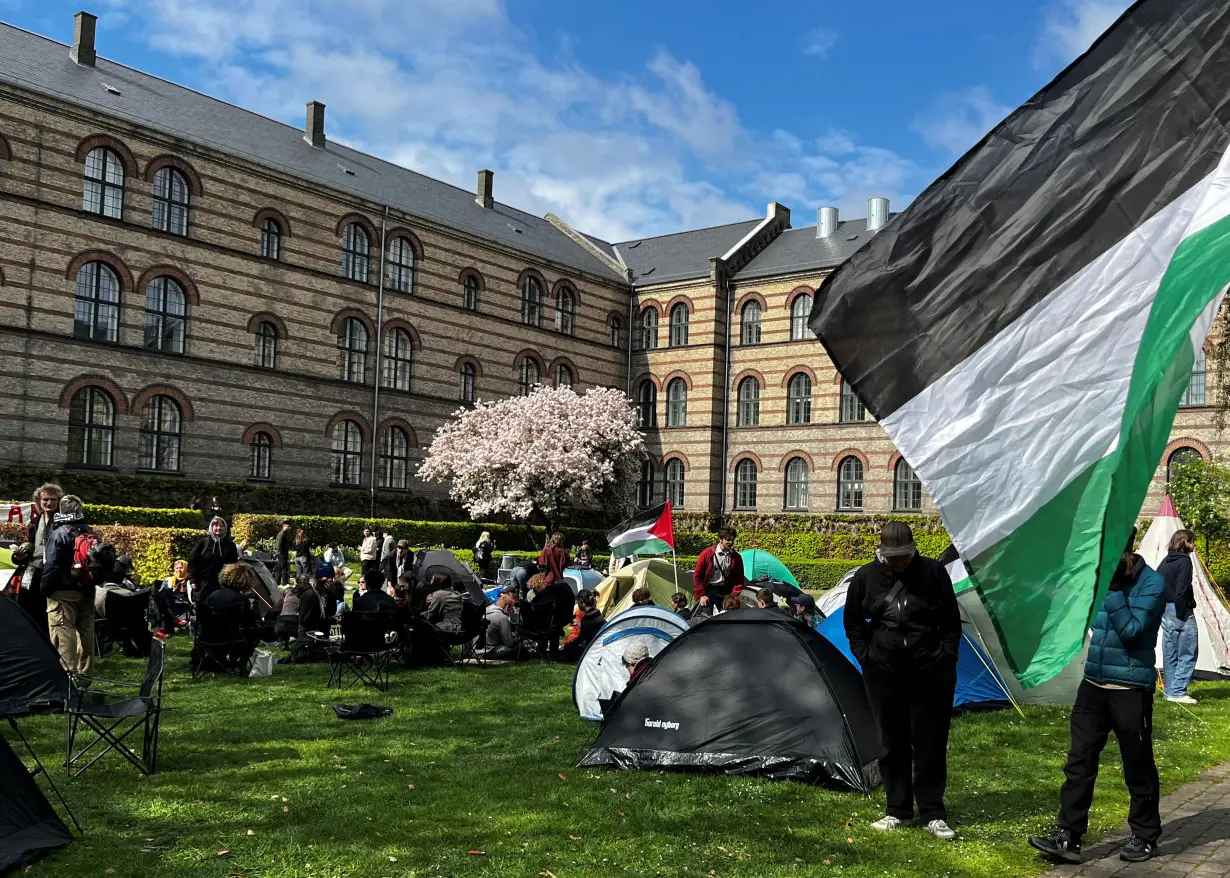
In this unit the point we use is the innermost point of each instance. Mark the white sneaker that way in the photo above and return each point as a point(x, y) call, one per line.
point(940, 829)
point(1181, 699)
point(887, 823)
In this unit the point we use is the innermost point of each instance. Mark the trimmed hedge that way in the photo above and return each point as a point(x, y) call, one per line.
point(139, 516)
point(153, 549)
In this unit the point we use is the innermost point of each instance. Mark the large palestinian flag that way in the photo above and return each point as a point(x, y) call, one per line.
point(651, 532)
point(1025, 329)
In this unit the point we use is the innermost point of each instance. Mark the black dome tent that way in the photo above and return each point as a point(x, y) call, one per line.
point(696, 707)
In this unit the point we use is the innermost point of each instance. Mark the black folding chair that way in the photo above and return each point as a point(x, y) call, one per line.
point(223, 642)
point(364, 651)
point(113, 716)
point(124, 623)
point(541, 627)
point(473, 625)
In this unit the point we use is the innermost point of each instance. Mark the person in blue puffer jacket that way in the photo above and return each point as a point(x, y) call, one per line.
point(1116, 695)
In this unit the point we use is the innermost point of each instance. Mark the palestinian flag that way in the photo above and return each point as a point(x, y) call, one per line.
point(1025, 329)
point(651, 532)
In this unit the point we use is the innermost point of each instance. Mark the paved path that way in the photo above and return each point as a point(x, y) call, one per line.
point(1195, 829)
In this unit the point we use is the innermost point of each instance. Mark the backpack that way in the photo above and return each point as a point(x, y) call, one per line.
point(93, 560)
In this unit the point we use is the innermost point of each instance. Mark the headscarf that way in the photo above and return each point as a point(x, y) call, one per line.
point(217, 538)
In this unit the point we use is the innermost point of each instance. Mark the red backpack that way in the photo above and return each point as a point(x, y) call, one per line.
point(93, 559)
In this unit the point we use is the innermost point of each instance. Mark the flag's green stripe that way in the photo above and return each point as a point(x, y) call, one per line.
point(1050, 574)
point(651, 546)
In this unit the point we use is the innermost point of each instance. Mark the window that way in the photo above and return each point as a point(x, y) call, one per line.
point(907, 488)
point(749, 324)
point(796, 484)
point(745, 484)
point(647, 405)
point(356, 253)
point(649, 329)
point(800, 311)
point(91, 427)
point(398, 360)
point(531, 375)
point(347, 454)
point(162, 428)
point(104, 183)
point(165, 312)
point(401, 265)
point(798, 399)
point(850, 485)
point(565, 310)
point(749, 403)
point(674, 482)
point(645, 485)
point(260, 456)
point(531, 301)
point(852, 408)
point(170, 202)
point(469, 293)
point(469, 382)
point(96, 312)
point(679, 326)
point(1194, 395)
point(677, 403)
point(271, 239)
point(1179, 457)
point(395, 459)
point(266, 355)
point(617, 332)
point(352, 345)
point(563, 376)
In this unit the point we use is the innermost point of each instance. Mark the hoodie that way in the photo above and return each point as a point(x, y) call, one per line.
point(1121, 650)
point(58, 555)
point(209, 555)
point(1176, 571)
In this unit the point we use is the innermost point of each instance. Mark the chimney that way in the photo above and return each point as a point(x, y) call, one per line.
point(314, 130)
point(877, 214)
point(82, 51)
point(826, 222)
point(484, 197)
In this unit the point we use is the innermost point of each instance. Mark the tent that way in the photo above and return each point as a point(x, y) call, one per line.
point(586, 577)
point(806, 718)
point(31, 677)
point(1212, 615)
point(835, 598)
point(267, 591)
point(600, 674)
point(29, 827)
point(758, 562)
point(660, 576)
point(443, 561)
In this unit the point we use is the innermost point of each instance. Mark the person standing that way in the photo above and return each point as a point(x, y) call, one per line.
point(209, 555)
point(719, 572)
point(68, 587)
point(369, 552)
point(283, 543)
point(303, 554)
point(1180, 634)
point(904, 627)
point(387, 546)
point(399, 563)
point(1116, 695)
point(29, 556)
point(483, 556)
point(553, 559)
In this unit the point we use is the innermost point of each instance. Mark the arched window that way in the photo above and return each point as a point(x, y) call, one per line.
point(907, 488)
point(677, 403)
point(563, 376)
point(395, 459)
point(104, 183)
point(749, 403)
point(356, 253)
point(469, 293)
point(1194, 394)
point(679, 326)
point(170, 202)
point(96, 311)
point(347, 454)
point(617, 332)
point(531, 301)
point(800, 311)
point(266, 355)
point(469, 382)
point(649, 329)
point(260, 456)
point(647, 405)
point(166, 309)
point(1178, 458)
point(401, 265)
point(850, 485)
point(531, 375)
point(162, 433)
point(565, 310)
point(852, 408)
point(749, 323)
point(798, 399)
point(352, 347)
point(745, 484)
point(674, 482)
point(91, 427)
point(271, 239)
point(796, 484)
point(645, 485)
point(398, 360)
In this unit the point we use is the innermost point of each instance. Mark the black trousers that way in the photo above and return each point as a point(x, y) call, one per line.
point(1129, 714)
point(369, 567)
point(913, 710)
point(283, 568)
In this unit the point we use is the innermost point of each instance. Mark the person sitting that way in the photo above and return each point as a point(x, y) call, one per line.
point(235, 585)
point(586, 625)
point(766, 599)
point(444, 605)
point(171, 600)
point(133, 637)
point(403, 588)
point(679, 603)
point(372, 597)
point(332, 592)
point(804, 607)
point(502, 640)
point(731, 602)
point(286, 627)
point(642, 597)
point(312, 618)
point(336, 558)
point(585, 556)
point(636, 660)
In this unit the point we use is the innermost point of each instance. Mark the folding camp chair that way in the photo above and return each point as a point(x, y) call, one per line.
point(123, 623)
point(222, 643)
point(364, 651)
point(112, 717)
point(473, 626)
point(540, 626)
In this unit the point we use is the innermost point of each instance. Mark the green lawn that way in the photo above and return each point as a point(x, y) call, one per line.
point(484, 759)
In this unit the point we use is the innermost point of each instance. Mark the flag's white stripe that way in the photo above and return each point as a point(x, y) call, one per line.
point(1007, 429)
point(634, 535)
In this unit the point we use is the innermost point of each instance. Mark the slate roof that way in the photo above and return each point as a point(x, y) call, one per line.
point(800, 250)
point(680, 256)
point(42, 65)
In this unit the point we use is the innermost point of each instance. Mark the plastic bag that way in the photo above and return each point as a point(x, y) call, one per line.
point(262, 664)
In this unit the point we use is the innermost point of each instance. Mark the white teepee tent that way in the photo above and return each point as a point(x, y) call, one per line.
point(1212, 614)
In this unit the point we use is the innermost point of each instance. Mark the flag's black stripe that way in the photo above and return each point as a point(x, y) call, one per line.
point(641, 519)
point(1127, 128)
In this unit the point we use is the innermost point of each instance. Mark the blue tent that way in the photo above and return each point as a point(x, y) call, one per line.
point(978, 683)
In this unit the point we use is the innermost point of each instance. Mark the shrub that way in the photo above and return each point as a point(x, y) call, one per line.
point(153, 549)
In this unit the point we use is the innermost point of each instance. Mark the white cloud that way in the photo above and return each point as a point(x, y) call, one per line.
point(820, 41)
point(957, 120)
point(1070, 27)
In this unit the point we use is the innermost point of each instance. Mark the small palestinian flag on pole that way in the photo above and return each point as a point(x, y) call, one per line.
point(651, 532)
point(1025, 329)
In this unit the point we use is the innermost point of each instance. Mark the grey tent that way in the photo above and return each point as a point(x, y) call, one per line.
point(443, 561)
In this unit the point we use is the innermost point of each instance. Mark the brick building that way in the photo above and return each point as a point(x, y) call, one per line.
point(187, 288)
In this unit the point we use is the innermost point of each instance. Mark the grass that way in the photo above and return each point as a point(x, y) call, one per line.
point(484, 760)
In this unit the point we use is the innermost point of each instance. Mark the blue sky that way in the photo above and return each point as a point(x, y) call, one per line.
point(626, 118)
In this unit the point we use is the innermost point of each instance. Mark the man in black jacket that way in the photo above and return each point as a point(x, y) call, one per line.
point(69, 590)
point(1180, 631)
point(283, 543)
point(904, 627)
